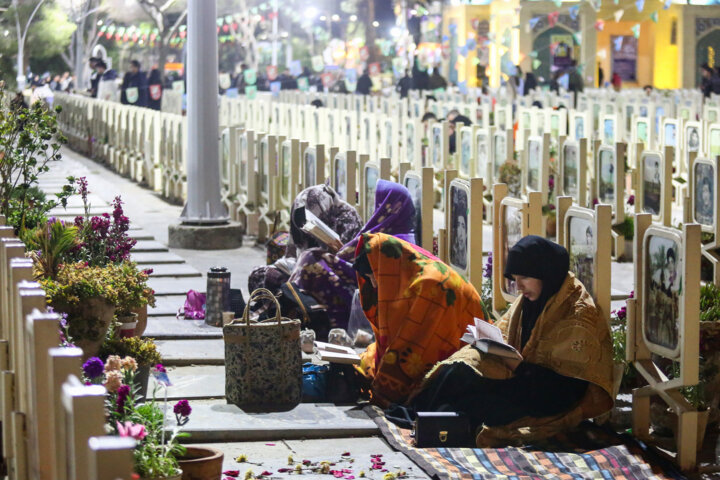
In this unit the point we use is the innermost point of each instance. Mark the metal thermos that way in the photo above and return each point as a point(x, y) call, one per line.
point(218, 295)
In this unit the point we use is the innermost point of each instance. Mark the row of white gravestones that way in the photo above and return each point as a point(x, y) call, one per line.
point(513, 217)
point(52, 425)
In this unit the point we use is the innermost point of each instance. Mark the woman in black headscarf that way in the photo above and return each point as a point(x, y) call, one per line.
point(566, 372)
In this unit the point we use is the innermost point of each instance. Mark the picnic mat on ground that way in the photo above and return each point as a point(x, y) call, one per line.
point(590, 452)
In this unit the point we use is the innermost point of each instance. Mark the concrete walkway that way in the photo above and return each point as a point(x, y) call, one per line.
point(194, 352)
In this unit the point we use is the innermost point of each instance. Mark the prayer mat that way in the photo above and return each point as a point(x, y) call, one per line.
point(589, 452)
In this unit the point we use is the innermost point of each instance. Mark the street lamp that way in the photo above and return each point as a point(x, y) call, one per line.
point(311, 12)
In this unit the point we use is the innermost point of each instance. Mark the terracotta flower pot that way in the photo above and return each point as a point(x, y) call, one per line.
point(88, 323)
point(201, 463)
point(142, 316)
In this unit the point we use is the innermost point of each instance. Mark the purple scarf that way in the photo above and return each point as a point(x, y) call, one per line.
point(329, 277)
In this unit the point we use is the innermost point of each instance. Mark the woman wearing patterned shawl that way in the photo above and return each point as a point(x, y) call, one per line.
point(325, 203)
point(418, 308)
point(330, 277)
point(566, 372)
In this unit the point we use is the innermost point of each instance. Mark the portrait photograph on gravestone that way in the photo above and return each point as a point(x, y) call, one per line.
point(570, 169)
point(413, 183)
point(704, 188)
point(606, 179)
point(652, 164)
point(458, 227)
point(511, 234)
point(371, 179)
point(582, 250)
point(663, 287)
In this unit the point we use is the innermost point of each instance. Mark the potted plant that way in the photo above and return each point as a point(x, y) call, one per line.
point(90, 296)
point(143, 350)
point(157, 451)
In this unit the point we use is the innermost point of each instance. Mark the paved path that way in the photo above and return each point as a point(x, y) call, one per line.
point(194, 351)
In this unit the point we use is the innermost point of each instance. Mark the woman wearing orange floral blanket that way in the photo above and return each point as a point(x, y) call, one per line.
point(418, 308)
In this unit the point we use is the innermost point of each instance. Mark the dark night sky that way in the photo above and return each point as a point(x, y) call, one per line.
point(384, 11)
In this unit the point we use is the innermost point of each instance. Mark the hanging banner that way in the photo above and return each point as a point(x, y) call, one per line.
point(364, 53)
point(224, 81)
point(250, 92)
point(275, 88)
point(295, 68)
point(132, 94)
point(272, 72)
point(318, 65)
point(326, 79)
point(302, 84)
point(155, 92)
point(374, 69)
point(250, 76)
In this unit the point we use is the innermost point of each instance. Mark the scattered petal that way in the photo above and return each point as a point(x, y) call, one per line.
point(284, 470)
point(270, 444)
point(346, 454)
point(242, 458)
point(306, 462)
point(290, 460)
point(265, 474)
point(232, 473)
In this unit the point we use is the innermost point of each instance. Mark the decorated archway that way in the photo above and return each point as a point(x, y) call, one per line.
point(555, 50)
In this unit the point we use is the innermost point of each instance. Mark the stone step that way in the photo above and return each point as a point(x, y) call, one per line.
point(192, 352)
point(216, 421)
point(166, 305)
point(149, 246)
point(172, 270)
point(194, 383)
point(155, 258)
point(176, 286)
point(140, 235)
point(173, 328)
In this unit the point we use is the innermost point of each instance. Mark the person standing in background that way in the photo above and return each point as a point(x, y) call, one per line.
point(601, 76)
point(364, 83)
point(155, 89)
point(134, 90)
point(404, 85)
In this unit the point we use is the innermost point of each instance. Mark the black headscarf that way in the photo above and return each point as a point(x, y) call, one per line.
point(539, 258)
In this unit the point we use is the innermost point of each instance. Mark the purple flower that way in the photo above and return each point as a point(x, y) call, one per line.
point(487, 272)
point(595, 201)
point(93, 368)
point(159, 367)
point(631, 200)
point(182, 408)
point(83, 188)
point(551, 182)
point(123, 393)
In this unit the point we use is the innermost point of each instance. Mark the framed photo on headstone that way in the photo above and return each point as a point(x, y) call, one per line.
point(641, 131)
point(500, 152)
point(413, 182)
point(466, 151)
point(340, 173)
point(482, 154)
point(693, 138)
point(605, 175)
point(569, 170)
point(608, 131)
point(458, 225)
point(705, 199)
point(670, 133)
point(534, 164)
point(372, 174)
point(652, 167)
point(310, 167)
point(580, 126)
point(580, 232)
point(713, 140)
point(662, 265)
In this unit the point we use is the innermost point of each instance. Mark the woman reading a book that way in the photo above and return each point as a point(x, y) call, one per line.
point(323, 270)
point(566, 371)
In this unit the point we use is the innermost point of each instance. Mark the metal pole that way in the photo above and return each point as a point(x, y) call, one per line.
point(275, 33)
point(203, 205)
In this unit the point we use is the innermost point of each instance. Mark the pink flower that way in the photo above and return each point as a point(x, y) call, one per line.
point(232, 473)
point(130, 429)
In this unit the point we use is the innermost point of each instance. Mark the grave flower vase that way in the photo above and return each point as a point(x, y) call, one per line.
point(174, 477)
point(201, 463)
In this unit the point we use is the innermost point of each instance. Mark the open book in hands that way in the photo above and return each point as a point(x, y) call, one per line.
point(488, 339)
point(321, 232)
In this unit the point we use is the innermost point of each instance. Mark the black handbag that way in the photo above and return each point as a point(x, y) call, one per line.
point(442, 429)
point(297, 303)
